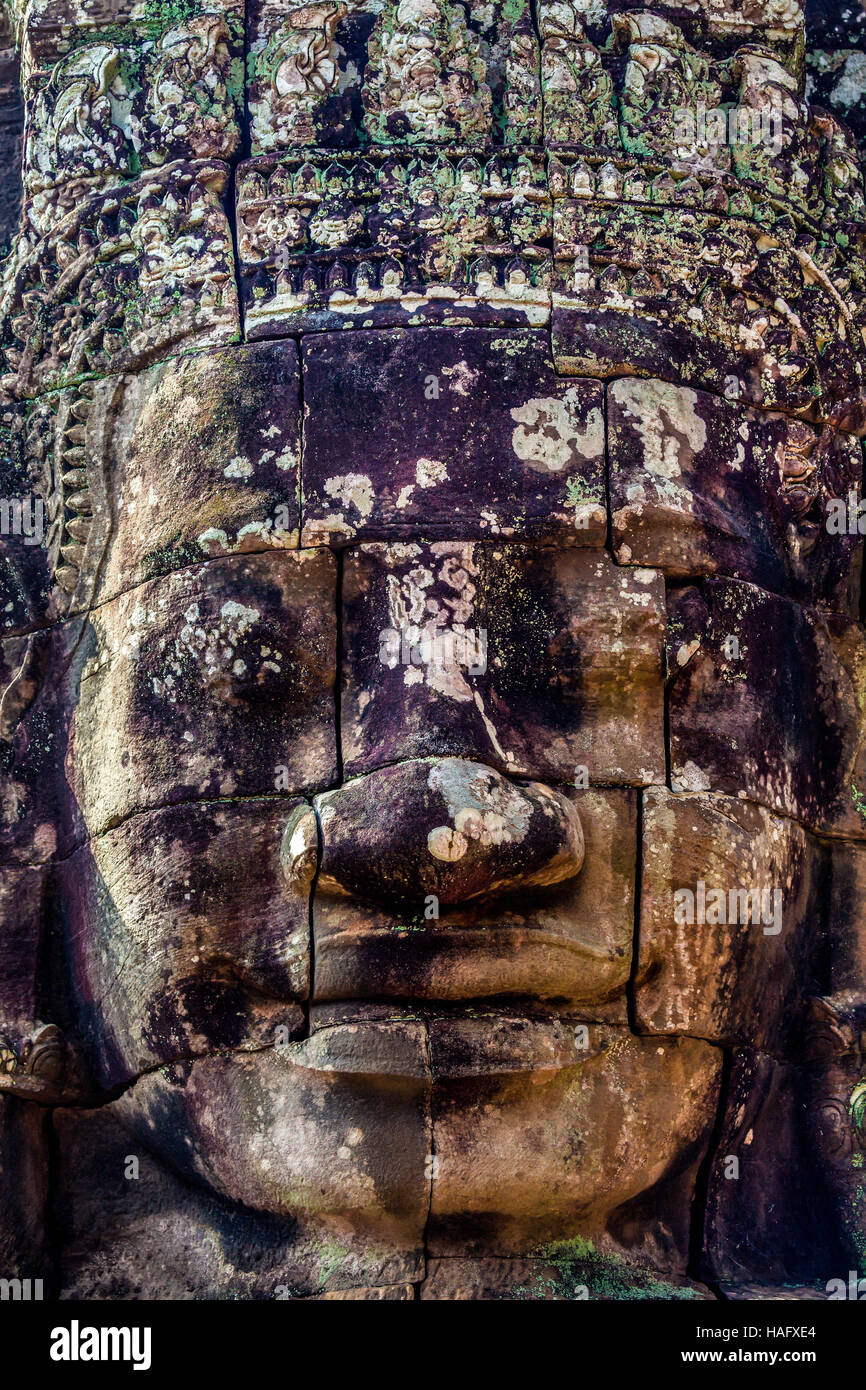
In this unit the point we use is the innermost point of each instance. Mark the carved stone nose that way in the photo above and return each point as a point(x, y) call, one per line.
point(448, 827)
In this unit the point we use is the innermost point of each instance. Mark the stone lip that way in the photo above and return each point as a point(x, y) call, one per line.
point(448, 1045)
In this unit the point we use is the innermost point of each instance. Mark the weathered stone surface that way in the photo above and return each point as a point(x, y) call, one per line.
point(322, 76)
point(305, 67)
point(836, 61)
point(764, 1215)
point(201, 458)
point(487, 440)
point(388, 1293)
point(578, 89)
point(119, 481)
point(155, 1236)
point(333, 1131)
point(22, 911)
point(198, 942)
point(847, 926)
point(570, 941)
point(569, 643)
point(527, 1158)
point(765, 703)
point(449, 827)
point(154, 86)
point(31, 737)
point(214, 681)
point(11, 136)
point(834, 1090)
point(24, 1184)
point(26, 598)
point(703, 486)
point(731, 932)
point(773, 1293)
point(571, 1270)
point(681, 270)
point(111, 288)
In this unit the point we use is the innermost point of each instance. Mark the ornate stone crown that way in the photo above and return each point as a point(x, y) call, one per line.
point(415, 161)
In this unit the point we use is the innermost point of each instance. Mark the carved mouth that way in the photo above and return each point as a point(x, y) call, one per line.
point(384, 1040)
point(466, 887)
point(456, 963)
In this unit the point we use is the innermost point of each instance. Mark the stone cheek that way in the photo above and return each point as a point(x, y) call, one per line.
point(212, 682)
point(222, 1247)
point(202, 457)
point(764, 704)
point(335, 1128)
point(709, 971)
point(702, 486)
point(516, 675)
point(181, 921)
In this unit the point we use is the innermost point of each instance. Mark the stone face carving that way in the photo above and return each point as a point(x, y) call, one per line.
point(578, 91)
point(296, 87)
point(425, 78)
point(432, 782)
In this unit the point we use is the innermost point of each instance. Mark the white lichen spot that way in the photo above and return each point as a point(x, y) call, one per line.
point(238, 468)
point(446, 844)
point(352, 490)
point(463, 377)
point(692, 779)
point(551, 431)
point(672, 432)
point(429, 472)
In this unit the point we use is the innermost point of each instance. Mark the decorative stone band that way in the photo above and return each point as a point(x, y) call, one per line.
point(696, 277)
point(640, 267)
point(710, 279)
point(415, 164)
point(114, 86)
point(132, 275)
point(393, 237)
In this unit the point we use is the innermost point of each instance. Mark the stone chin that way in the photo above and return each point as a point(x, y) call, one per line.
point(480, 1132)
